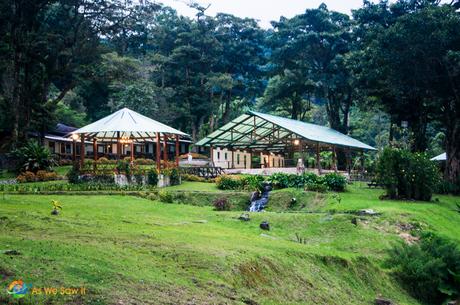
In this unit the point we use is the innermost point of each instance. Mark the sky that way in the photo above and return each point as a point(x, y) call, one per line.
point(262, 10)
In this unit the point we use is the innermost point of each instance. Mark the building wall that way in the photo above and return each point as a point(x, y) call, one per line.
point(222, 157)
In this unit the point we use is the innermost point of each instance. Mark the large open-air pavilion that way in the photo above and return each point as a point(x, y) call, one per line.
point(275, 140)
point(125, 128)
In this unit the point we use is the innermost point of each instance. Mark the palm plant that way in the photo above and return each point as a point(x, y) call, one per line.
point(34, 157)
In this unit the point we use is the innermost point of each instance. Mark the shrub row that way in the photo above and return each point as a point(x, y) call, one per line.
point(67, 187)
point(248, 183)
point(41, 175)
point(309, 181)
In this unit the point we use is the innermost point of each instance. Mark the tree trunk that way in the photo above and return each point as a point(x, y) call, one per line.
point(452, 171)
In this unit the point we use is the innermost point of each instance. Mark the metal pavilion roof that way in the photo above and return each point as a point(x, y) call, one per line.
point(441, 157)
point(127, 123)
point(257, 130)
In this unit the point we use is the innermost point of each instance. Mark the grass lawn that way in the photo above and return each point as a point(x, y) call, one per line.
point(128, 250)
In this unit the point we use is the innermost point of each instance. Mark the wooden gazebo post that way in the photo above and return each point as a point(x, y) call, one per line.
point(177, 150)
point(165, 148)
point(132, 151)
point(82, 150)
point(158, 151)
point(118, 146)
point(95, 153)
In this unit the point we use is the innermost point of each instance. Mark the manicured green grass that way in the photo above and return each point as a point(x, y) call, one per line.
point(128, 250)
point(62, 170)
point(195, 186)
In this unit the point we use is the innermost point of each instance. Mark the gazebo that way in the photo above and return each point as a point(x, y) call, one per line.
point(126, 127)
point(256, 132)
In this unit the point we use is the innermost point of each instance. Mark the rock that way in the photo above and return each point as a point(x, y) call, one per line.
point(264, 225)
point(409, 239)
point(200, 221)
point(354, 221)
point(244, 217)
point(382, 301)
point(12, 252)
point(368, 212)
point(54, 212)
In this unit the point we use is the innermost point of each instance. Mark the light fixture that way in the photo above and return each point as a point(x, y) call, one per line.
point(125, 140)
point(75, 136)
point(296, 142)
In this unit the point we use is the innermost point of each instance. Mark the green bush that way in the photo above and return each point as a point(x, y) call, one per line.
point(34, 157)
point(152, 177)
point(316, 187)
point(165, 196)
point(194, 178)
point(279, 180)
point(407, 175)
point(335, 182)
point(227, 182)
point(430, 271)
point(446, 187)
point(73, 175)
point(222, 204)
point(252, 182)
point(174, 176)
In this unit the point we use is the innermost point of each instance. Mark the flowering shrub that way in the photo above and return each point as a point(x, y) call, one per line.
point(407, 175)
point(222, 204)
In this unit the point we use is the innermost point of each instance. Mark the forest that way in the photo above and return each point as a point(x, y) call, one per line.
point(387, 75)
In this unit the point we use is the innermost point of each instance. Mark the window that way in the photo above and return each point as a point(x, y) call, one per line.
point(62, 148)
point(225, 156)
point(245, 160)
point(238, 159)
point(218, 155)
point(68, 149)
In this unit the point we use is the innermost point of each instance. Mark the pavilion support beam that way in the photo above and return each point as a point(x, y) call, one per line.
point(118, 146)
point(212, 154)
point(132, 152)
point(165, 148)
point(348, 157)
point(362, 162)
point(158, 151)
point(177, 150)
point(318, 159)
point(82, 150)
point(334, 159)
point(95, 149)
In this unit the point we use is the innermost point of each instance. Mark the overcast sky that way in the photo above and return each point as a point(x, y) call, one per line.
point(263, 10)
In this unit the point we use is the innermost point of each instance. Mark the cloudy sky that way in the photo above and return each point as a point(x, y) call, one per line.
point(263, 10)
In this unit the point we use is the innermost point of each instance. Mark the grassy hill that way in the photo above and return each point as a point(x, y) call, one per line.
point(129, 250)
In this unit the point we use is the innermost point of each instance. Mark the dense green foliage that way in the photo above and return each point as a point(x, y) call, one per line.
point(33, 157)
point(361, 75)
point(309, 181)
point(429, 270)
point(407, 175)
